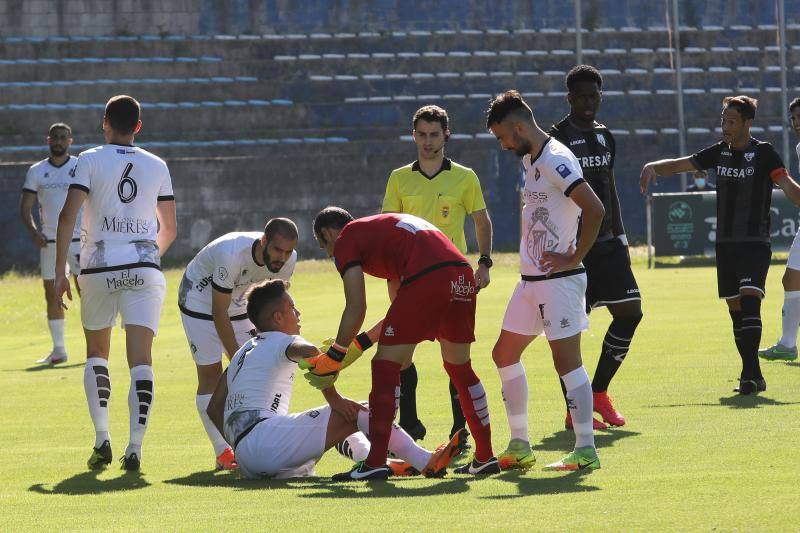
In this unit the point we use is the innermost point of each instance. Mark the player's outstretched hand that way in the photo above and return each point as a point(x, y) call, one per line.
point(62, 286)
point(648, 174)
point(347, 408)
point(321, 382)
point(354, 351)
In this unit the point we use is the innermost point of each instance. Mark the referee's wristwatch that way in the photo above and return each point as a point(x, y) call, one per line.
point(485, 260)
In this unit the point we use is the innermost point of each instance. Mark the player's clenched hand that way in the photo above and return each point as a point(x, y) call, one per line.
point(648, 174)
point(482, 278)
point(62, 286)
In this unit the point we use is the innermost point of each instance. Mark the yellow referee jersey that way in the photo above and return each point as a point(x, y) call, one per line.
point(444, 199)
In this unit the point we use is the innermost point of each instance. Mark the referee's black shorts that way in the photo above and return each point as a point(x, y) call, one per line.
point(742, 265)
point(609, 278)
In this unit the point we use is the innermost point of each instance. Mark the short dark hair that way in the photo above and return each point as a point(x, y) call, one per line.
point(745, 105)
point(266, 295)
point(59, 126)
point(583, 73)
point(123, 112)
point(431, 113)
point(505, 104)
point(331, 217)
point(794, 103)
point(281, 226)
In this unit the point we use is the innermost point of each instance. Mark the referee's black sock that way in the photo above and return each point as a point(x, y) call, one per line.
point(615, 347)
point(751, 337)
point(408, 397)
point(736, 320)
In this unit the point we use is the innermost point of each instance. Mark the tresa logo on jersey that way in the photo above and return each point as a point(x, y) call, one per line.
point(126, 225)
point(731, 172)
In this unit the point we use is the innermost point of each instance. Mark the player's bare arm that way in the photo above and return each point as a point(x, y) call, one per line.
point(216, 406)
point(66, 223)
point(591, 219)
point(344, 406)
point(220, 301)
point(483, 233)
point(26, 202)
point(790, 188)
point(617, 227)
point(301, 349)
point(664, 167)
point(167, 225)
point(355, 308)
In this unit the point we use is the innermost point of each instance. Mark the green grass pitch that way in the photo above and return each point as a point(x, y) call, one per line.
point(693, 456)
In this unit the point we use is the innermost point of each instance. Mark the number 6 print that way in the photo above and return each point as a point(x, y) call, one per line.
point(126, 188)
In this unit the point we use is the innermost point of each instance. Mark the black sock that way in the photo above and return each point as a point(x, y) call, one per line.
point(615, 347)
point(459, 422)
point(750, 337)
point(736, 320)
point(408, 397)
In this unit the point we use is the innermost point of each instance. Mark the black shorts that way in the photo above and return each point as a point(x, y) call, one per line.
point(742, 265)
point(609, 278)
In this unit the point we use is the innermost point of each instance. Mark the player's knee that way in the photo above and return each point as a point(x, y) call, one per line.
point(502, 356)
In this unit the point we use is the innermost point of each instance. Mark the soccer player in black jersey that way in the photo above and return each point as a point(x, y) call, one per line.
point(610, 280)
point(746, 171)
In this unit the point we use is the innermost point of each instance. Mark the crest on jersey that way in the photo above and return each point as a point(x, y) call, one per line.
point(601, 139)
point(223, 273)
point(563, 170)
point(537, 174)
point(749, 156)
point(542, 235)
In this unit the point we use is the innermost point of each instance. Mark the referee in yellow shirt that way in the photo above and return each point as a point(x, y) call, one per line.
point(442, 192)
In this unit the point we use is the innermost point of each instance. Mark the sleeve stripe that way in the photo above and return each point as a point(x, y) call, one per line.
point(573, 185)
point(25, 189)
point(778, 173)
point(80, 187)
point(166, 198)
point(348, 266)
point(221, 289)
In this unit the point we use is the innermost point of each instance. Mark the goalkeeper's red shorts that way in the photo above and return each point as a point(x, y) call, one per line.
point(439, 304)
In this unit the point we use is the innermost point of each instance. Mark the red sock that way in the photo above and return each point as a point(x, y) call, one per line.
point(385, 381)
point(476, 409)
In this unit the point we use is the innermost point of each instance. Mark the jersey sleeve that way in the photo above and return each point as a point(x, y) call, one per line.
point(165, 192)
point(31, 183)
point(773, 163)
point(392, 202)
point(346, 252)
point(473, 195)
point(224, 270)
point(707, 157)
point(82, 174)
point(564, 173)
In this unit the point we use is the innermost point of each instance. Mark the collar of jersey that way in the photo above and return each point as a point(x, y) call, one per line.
point(446, 165)
point(120, 144)
point(534, 159)
point(50, 161)
point(253, 254)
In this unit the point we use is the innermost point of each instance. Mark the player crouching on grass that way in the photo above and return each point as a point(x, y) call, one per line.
point(250, 405)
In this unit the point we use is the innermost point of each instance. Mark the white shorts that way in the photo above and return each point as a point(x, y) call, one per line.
point(47, 260)
point(204, 340)
point(283, 447)
point(555, 307)
point(794, 254)
point(135, 293)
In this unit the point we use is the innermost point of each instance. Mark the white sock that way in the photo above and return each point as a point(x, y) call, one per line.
point(581, 405)
point(791, 318)
point(355, 446)
point(57, 334)
point(97, 385)
point(400, 443)
point(140, 401)
point(216, 438)
point(515, 398)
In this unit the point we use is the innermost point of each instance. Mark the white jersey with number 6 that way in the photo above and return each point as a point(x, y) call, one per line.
point(549, 218)
point(124, 184)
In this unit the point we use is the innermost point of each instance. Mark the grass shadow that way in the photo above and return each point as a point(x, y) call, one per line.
point(530, 486)
point(231, 479)
point(87, 483)
point(40, 367)
point(736, 401)
point(565, 439)
point(394, 488)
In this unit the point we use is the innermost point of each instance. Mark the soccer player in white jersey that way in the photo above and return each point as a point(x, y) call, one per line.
point(550, 297)
point(46, 183)
point(251, 403)
point(129, 223)
point(786, 347)
point(213, 305)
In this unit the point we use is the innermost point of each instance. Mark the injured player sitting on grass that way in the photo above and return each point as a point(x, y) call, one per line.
point(250, 405)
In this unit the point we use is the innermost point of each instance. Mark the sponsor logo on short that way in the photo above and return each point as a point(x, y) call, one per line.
point(745, 280)
point(564, 323)
point(462, 287)
point(125, 225)
point(389, 331)
point(633, 291)
point(124, 281)
point(563, 170)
